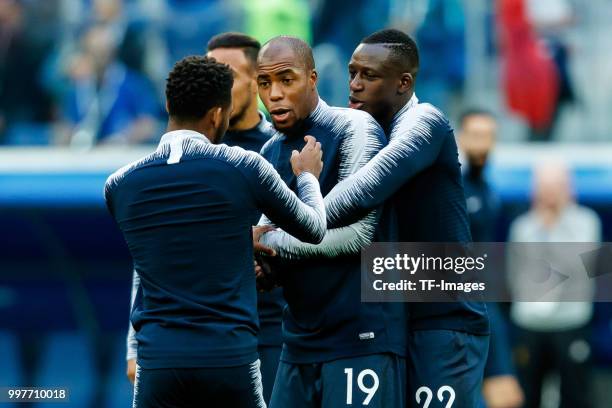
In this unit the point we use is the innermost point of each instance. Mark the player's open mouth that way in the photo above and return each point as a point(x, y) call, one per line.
point(355, 103)
point(280, 114)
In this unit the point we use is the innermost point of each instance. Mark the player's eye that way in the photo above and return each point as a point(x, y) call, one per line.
point(352, 74)
point(287, 81)
point(263, 84)
point(369, 75)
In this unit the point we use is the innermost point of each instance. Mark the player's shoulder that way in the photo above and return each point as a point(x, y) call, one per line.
point(235, 156)
point(241, 159)
point(428, 112)
point(119, 175)
point(356, 124)
point(423, 118)
point(353, 116)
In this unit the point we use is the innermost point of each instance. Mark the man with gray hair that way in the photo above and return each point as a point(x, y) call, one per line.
point(553, 334)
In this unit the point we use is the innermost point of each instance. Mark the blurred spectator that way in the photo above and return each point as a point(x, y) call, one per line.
point(189, 24)
point(441, 37)
point(24, 104)
point(107, 102)
point(552, 19)
point(554, 336)
point(476, 137)
point(335, 34)
point(477, 134)
point(530, 79)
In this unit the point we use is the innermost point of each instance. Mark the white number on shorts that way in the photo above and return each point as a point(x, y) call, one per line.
point(349, 385)
point(440, 394)
point(451, 394)
point(370, 391)
point(427, 392)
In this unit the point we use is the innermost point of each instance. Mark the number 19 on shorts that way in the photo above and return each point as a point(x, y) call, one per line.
point(369, 391)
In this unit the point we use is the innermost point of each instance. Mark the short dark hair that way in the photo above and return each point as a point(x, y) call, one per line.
point(474, 112)
point(302, 50)
point(249, 45)
point(403, 48)
point(195, 85)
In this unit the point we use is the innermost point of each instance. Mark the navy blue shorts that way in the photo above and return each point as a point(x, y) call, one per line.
point(445, 366)
point(375, 381)
point(238, 387)
point(269, 357)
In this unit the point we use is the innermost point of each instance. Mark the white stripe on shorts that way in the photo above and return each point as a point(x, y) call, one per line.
point(137, 377)
point(256, 382)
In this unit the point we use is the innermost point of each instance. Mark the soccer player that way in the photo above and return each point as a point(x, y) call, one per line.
point(448, 342)
point(337, 351)
point(248, 129)
point(185, 212)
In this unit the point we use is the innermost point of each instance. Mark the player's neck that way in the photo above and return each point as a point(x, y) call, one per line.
point(401, 101)
point(195, 126)
point(249, 120)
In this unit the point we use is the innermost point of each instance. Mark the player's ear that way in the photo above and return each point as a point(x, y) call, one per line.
point(314, 77)
point(406, 83)
point(254, 88)
point(217, 117)
point(167, 107)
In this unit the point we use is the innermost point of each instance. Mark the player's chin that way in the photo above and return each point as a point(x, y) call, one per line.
point(284, 124)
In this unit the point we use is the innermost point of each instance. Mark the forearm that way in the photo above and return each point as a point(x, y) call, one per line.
point(415, 145)
point(347, 240)
point(302, 216)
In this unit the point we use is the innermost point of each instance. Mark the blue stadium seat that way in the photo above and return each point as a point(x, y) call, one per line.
point(118, 393)
point(67, 360)
point(10, 367)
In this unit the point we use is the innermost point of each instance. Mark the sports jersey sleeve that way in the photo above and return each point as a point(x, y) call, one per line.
point(415, 145)
point(303, 215)
point(360, 143)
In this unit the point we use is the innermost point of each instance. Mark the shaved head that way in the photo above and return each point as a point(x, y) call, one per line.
point(287, 82)
point(283, 44)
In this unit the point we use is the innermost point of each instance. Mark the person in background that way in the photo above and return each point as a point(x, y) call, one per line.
point(553, 20)
point(26, 108)
point(107, 103)
point(476, 137)
point(554, 335)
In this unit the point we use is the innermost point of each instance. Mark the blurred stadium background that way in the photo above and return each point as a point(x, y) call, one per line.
point(545, 70)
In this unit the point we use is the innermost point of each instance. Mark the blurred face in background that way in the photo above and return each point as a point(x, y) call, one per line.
point(477, 138)
point(552, 189)
point(286, 86)
point(11, 14)
point(244, 91)
point(99, 46)
point(107, 10)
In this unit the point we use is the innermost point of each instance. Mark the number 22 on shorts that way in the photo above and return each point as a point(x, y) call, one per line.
point(429, 395)
point(369, 391)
